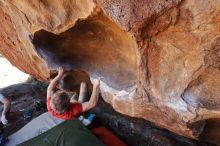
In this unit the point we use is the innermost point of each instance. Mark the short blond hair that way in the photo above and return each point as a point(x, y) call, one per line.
point(60, 102)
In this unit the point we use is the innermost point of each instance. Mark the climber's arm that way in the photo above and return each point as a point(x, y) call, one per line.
point(94, 97)
point(54, 82)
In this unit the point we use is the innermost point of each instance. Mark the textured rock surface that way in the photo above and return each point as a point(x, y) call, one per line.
point(159, 59)
point(139, 132)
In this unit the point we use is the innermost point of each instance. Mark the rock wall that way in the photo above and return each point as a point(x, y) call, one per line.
point(159, 59)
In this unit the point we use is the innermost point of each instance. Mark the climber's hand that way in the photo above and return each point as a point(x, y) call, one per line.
point(60, 71)
point(54, 82)
point(96, 82)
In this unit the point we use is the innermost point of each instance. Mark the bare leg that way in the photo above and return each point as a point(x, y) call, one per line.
point(83, 95)
point(6, 109)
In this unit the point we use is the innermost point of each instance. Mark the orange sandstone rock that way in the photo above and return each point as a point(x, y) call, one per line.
point(159, 59)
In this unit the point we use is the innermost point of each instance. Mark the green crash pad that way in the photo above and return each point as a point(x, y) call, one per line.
point(68, 133)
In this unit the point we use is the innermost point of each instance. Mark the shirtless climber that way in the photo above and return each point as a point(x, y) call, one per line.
point(6, 108)
point(60, 105)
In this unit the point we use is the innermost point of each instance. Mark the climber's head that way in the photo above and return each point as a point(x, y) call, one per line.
point(60, 102)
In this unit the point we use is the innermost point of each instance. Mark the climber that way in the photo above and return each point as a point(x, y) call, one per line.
point(6, 108)
point(60, 105)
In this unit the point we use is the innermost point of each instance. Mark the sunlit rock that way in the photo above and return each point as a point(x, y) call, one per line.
point(159, 59)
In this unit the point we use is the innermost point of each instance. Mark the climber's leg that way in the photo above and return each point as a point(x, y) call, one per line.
point(83, 94)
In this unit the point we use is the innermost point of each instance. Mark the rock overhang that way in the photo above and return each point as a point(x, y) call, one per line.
point(95, 45)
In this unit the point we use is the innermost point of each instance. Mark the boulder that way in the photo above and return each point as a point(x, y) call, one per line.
point(159, 60)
